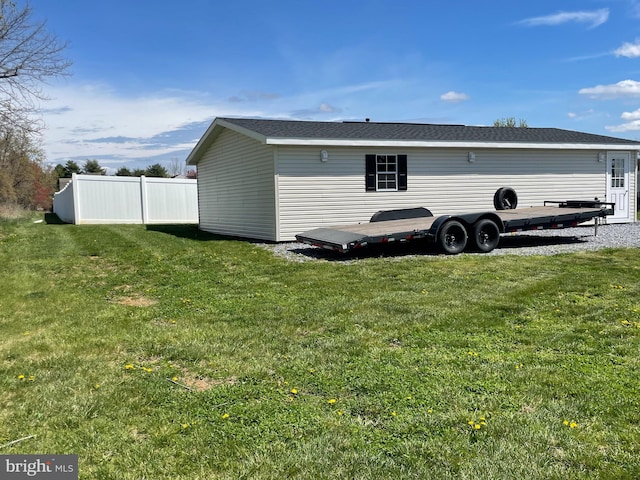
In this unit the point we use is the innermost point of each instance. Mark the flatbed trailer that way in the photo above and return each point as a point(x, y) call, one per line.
point(478, 231)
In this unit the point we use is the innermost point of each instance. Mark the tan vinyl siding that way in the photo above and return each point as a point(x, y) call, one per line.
point(316, 194)
point(236, 188)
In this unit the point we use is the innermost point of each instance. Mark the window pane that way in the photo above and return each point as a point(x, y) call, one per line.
point(386, 168)
point(617, 173)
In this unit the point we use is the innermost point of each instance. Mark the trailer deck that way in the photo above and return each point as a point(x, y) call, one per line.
point(452, 232)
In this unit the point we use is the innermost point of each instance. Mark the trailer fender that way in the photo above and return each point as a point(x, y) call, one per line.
point(401, 214)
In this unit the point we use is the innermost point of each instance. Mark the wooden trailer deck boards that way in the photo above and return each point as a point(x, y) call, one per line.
point(479, 231)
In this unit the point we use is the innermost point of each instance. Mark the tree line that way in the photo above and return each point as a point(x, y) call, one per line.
point(29, 55)
point(93, 167)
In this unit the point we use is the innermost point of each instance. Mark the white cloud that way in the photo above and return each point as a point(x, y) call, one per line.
point(581, 115)
point(595, 18)
point(454, 97)
point(629, 50)
point(91, 121)
point(625, 127)
point(632, 124)
point(326, 108)
point(635, 115)
point(624, 88)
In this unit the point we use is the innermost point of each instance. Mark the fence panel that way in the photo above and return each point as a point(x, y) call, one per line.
point(116, 200)
point(171, 200)
point(63, 203)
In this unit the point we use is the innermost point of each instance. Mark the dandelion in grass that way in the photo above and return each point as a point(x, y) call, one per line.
point(331, 401)
point(224, 416)
point(175, 379)
point(294, 391)
point(32, 378)
point(573, 425)
point(185, 426)
point(20, 377)
point(340, 412)
point(129, 366)
point(394, 413)
point(430, 410)
point(477, 425)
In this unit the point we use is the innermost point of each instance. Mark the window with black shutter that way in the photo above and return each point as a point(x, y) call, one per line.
point(385, 173)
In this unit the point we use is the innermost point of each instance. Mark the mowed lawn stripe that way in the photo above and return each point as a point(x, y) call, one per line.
point(165, 352)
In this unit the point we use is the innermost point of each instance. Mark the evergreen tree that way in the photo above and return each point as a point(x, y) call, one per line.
point(70, 168)
point(156, 170)
point(92, 166)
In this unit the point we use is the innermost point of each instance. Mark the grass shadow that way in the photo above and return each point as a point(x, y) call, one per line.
point(192, 232)
point(51, 218)
point(524, 241)
point(424, 248)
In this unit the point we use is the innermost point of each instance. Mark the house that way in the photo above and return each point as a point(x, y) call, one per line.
point(271, 179)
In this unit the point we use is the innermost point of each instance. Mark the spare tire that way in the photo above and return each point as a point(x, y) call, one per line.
point(505, 198)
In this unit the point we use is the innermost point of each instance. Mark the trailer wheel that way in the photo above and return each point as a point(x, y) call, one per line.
point(485, 235)
point(505, 198)
point(452, 237)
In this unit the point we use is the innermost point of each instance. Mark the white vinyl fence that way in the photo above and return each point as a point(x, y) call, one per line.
point(101, 199)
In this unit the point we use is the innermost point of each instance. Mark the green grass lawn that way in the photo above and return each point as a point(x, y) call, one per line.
point(163, 352)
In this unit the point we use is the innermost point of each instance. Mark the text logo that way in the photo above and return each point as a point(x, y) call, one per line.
point(44, 467)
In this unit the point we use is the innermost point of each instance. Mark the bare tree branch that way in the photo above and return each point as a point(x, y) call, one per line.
point(29, 55)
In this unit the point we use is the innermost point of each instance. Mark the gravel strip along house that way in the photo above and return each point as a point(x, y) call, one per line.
point(272, 179)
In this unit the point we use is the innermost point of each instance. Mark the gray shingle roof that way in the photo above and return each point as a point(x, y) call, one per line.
point(419, 132)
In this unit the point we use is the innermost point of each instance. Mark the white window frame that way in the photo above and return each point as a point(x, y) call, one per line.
point(390, 176)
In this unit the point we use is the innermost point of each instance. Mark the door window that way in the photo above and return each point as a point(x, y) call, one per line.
point(617, 173)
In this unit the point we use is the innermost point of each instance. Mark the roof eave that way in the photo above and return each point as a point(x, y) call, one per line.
point(328, 142)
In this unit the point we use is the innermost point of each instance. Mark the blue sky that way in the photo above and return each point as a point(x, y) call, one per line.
point(148, 77)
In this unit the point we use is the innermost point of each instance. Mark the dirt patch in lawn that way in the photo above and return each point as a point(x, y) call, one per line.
point(136, 301)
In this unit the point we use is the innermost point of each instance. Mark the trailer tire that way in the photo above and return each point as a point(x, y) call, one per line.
point(505, 198)
point(452, 237)
point(485, 235)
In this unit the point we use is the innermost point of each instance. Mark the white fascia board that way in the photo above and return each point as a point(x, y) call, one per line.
point(244, 131)
point(434, 144)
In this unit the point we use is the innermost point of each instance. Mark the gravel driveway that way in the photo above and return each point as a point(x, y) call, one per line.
point(542, 242)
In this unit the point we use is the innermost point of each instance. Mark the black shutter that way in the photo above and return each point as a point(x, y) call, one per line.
point(402, 172)
point(370, 173)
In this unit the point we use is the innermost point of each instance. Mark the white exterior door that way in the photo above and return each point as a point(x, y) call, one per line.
point(618, 167)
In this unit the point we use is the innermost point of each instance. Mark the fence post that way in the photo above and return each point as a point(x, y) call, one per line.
point(75, 198)
point(143, 199)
